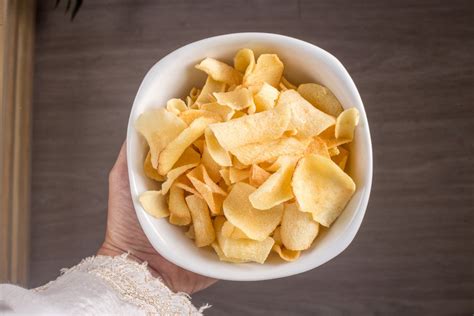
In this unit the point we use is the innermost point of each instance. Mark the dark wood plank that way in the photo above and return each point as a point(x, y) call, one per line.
point(413, 64)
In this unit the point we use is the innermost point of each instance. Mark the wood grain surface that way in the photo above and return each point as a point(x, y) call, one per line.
point(413, 64)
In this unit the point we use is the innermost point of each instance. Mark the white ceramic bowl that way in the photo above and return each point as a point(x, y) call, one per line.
point(174, 75)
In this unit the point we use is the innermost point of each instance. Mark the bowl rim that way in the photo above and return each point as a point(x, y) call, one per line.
point(351, 229)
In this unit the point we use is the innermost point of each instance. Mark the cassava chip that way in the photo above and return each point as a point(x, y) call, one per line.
point(222, 256)
point(276, 190)
point(159, 127)
point(176, 106)
point(268, 68)
point(191, 115)
point(265, 98)
point(230, 231)
point(259, 127)
point(259, 152)
point(346, 123)
point(237, 99)
point(321, 188)
point(210, 191)
point(154, 203)
point(307, 120)
point(281, 161)
point(258, 175)
point(203, 228)
point(244, 60)
point(341, 158)
point(220, 71)
point(285, 254)
point(318, 147)
point(175, 148)
point(224, 111)
point(287, 84)
point(190, 232)
point(179, 211)
point(238, 175)
point(217, 152)
point(257, 224)
point(298, 229)
point(224, 172)
point(321, 98)
point(151, 172)
point(184, 183)
point(173, 175)
point(211, 86)
point(211, 166)
point(189, 156)
point(333, 151)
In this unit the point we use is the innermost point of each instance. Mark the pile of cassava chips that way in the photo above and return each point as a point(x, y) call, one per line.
point(249, 163)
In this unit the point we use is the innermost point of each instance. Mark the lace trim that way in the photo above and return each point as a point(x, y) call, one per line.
point(135, 285)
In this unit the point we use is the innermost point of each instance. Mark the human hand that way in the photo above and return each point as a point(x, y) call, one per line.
point(124, 234)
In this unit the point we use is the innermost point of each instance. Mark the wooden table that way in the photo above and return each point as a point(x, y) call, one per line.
point(412, 62)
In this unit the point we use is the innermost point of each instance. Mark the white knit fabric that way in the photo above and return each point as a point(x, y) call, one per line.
point(98, 286)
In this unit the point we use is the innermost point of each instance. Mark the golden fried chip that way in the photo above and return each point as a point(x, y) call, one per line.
point(238, 114)
point(298, 229)
point(287, 84)
point(285, 254)
point(220, 71)
point(211, 166)
point(194, 93)
point(159, 127)
point(199, 145)
point(259, 152)
point(238, 175)
point(321, 188)
point(246, 249)
point(257, 224)
point(259, 127)
point(175, 148)
point(151, 172)
point(265, 98)
point(203, 228)
point(318, 147)
point(209, 190)
point(222, 256)
point(176, 106)
point(244, 60)
point(305, 118)
point(224, 111)
point(237, 164)
point(333, 151)
point(237, 99)
point(189, 102)
point(179, 211)
point(173, 175)
point(190, 232)
point(184, 183)
point(281, 161)
point(154, 203)
point(341, 158)
point(189, 156)
point(191, 115)
point(346, 123)
point(258, 175)
point(219, 154)
point(321, 98)
point(329, 137)
point(230, 231)
point(211, 86)
point(268, 68)
point(276, 190)
point(225, 174)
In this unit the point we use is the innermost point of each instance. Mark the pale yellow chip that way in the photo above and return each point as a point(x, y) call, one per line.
point(184, 183)
point(333, 151)
point(259, 152)
point(211, 86)
point(151, 172)
point(154, 203)
point(268, 68)
point(237, 164)
point(307, 120)
point(189, 156)
point(194, 93)
point(238, 175)
point(189, 102)
point(199, 145)
point(257, 224)
point(237, 99)
point(200, 173)
point(321, 188)
point(346, 123)
point(281, 161)
point(176, 106)
point(329, 137)
point(259, 127)
point(230, 231)
point(217, 152)
point(222, 256)
point(224, 111)
point(225, 174)
point(265, 98)
point(341, 158)
point(175, 148)
point(179, 211)
point(220, 71)
point(285, 254)
point(190, 232)
point(238, 114)
point(208, 190)
point(318, 147)
point(298, 229)
point(211, 166)
point(244, 61)
point(159, 127)
point(258, 175)
point(321, 98)
point(191, 115)
point(203, 228)
point(173, 175)
point(288, 85)
point(275, 190)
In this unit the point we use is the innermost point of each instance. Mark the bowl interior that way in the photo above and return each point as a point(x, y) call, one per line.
point(175, 75)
